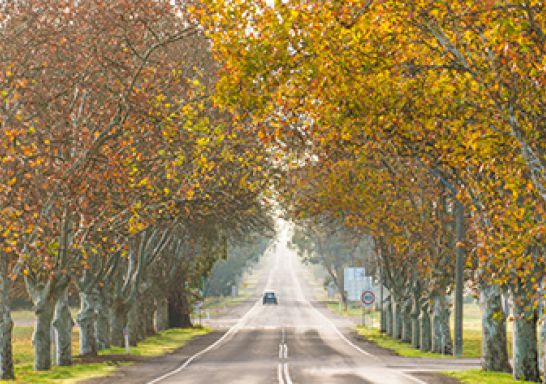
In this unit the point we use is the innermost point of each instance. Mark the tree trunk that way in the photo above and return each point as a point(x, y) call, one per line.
point(542, 334)
point(426, 331)
point(161, 314)
point(179, 310)
point(441, 333)
point(460, 259)
point(117, 325)
point(63, 324)
point(494, 350)
point(133, 324)
point(388, 316)
point(41, 338)
point(6, 325)
point(45, 297)
point(397, 320)
point(525, 353)
point(86, 321)
point(102, 322)
point(415, 323)
point(149, 319)
point(406, 321)
point(382, 313)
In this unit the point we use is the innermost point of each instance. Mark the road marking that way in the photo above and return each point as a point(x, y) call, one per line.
point(279, 374)
point(338, 332)
point(287, 374)
point(234, 329)
point(280, 351)
point(285, 351)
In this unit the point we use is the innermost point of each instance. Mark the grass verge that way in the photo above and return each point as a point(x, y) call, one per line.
point(160, 344)
point(476, 376)
point(471, 344)
point(108, 361)
point(400, 348)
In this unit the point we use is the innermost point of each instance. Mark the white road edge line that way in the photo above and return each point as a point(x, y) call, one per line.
point(341, 335)
point(285, 351)
point(226, 335)
point(337, 331)
point(280, 351)
point(287, 374)
point(279, 374)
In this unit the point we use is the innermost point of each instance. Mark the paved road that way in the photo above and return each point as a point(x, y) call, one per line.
point(293, 342)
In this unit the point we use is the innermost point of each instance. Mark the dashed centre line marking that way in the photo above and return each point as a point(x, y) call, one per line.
point(283, 373)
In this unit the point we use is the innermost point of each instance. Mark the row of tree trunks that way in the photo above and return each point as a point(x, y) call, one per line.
point(413, 322)
point(430, 330)
point(99, 326)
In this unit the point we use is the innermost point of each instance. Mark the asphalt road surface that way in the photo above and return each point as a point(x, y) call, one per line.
point(292, 342)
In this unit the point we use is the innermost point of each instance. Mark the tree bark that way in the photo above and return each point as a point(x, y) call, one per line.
point(542, 334)
point(397, 320)
point(525, 353)
point(133, 324)
point(388, 316)
point(149, 319)
point(425, 343)
point(117, 325)
point(179, 310)
point(86, 321)
point(41, 338)
point(63, 324)
point(161, 314)
point(406, 321)
point(6, 325)
point(459, 276)
point(102, 322)
point(494, 350)
point(415, 321)
point(441, 333)
point(382, 313)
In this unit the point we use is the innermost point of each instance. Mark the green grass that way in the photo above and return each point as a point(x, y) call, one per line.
point(156, 345)
point(472, 333)
point(354, 311)
point(160, 344)
point(66, 375)
point(480, 377)
point(398, 347)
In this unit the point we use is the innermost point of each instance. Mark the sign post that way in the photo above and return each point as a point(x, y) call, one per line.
point(368, 298)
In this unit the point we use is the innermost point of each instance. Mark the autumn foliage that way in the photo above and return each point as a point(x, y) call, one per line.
point(391, 113)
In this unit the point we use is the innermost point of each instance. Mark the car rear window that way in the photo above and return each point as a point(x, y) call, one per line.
point(269, 294)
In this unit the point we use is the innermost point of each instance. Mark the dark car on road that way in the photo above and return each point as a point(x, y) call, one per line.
point(269, 298)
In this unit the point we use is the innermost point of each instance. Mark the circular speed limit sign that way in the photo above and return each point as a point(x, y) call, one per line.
point(367, 297)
